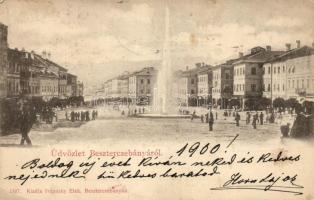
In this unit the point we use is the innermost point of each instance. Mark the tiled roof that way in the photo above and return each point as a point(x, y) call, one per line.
point(295, 53)
point(259, 57)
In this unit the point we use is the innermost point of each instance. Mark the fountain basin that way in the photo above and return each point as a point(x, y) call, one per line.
point(161, 116)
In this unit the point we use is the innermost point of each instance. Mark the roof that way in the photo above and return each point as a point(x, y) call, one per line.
point(294, 53)
point(197, 70)
point(259, 57)
point(226, 65)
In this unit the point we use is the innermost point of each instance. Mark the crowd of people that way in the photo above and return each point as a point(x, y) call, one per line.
point(302, 124)
point(133, 111)
point(83, 115)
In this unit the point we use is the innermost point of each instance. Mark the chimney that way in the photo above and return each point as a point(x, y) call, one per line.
point(32, 54)
point(268, 48)
point(298, 43)
point(240, 54)
point(44, 54)
point(49, 55)
point(288, 46)
point(198, 65)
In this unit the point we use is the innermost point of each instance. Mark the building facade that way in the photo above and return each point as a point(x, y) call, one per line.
point(222, 85)
point(248, 74)
point(13, 73)
point(290, 75)
point(204, 85)
point(3, 59)
point(141, 85)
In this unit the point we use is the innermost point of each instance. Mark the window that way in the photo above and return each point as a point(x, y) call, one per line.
point(297, 83)
point(292, 83)
point(243, 87)
point(278, 70)
point(274, 70)
point(142, 91)
point(192, 81)
point(283, 87)
point(148, 91)
point(302, 83)
point(148, 81)
point(268, 88)
point(307, 83)
point(283, 69)
point(292, 70)
point(268, 70)
point(253, 87)
point(227, 75)
point(253, 71)
point(192, 91)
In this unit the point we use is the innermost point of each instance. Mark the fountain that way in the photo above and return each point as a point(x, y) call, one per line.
point(164, 103)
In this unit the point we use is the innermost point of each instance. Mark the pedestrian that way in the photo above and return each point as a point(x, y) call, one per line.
point(285, 130)
point(261, 117)
point(66, 115)
point(211, 121)
point(216, 115)
point(72, 116)
point(135, 111)
point(237, 118)
point(143, 110)
point(87, 115)
point(193, 115)
point(122, 113)
point(202, 118)
point(254, 121)
point(206, 117)
point(26, 120)
point(82, 116)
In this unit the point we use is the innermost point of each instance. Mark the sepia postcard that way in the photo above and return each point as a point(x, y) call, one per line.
point(156, 99)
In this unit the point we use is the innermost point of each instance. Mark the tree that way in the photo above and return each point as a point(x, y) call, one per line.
point(263, 103)
point(291, 103)
point(279, 103)
point(235, 102)
point(250, 104)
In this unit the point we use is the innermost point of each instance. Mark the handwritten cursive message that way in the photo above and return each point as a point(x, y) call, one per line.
point(190, 161)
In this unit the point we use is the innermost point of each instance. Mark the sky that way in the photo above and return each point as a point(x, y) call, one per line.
point(99, 39)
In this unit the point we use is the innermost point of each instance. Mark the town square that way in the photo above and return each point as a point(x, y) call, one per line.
point(167, 99)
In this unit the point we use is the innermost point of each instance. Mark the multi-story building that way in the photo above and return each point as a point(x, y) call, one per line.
point(48, 82)
point(71, 85)
point(222, 84)
point(3, 69)
point(248, 71)
point(80, 88)
point(188, 87)
point(141, 85)
point(13, 73)
point(3, 59)
point(290, 75)
point(204, 84)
